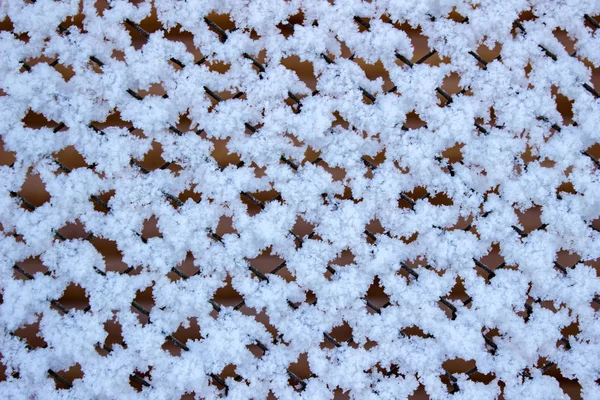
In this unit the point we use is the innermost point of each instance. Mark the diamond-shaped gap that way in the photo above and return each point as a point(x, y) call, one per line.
point(139, 380)
point(492, 261)
point(415, 331)
point(114, 337)
point(311, 155)
point(372, 162)
point(571, 387)
point(140, 32)
point(69, 159)
point(142, 305)
point(526, 15)
point(114, 120)
point(220, 24)
point(33, 193)
point(566, 260)
point(150, 228)
point(96, 65)
point(457, 17)
point(410, 269)
point(310, 299)
point(251, 33)
point(118, 55)
point(569, 332)
point(374, 71)
point(376, 298)
point(73, 297)
point(182, 125)
point(73, 230)
point(527, 157)
point(564, 106)
point(550, 305)
point(216, 65)
point(565, 39)
point(6, 157)
point(155, 89)
point(72, 20)
point(338, 336)
point(458, 293)
point(177, 341)
point(185, 269)
point(188, 194)
point(65, 71)
point(413, 121)
point(409, 199)
point(483, 55)
point(565, 187)
point(176, 33)
point(304, 70)
point(362, 23)
point(529, 220)
point(489, 334)
point(301, 231)
point(225, 226)
point(298, 372)
point(28, 268)
point(264, 319)
point(462, 223)
point(423, 54)
point(255, 202)
point(267, 263)
point(293, 140)
point(347, 195)
point(65, 378)
point(372, 229)
point(294, 101)
point(450, 87)
point(225, 296)
point(340, 121)
point(469, 367)
point(113, 258)
point(257, 61)
point(258, 349)
point(220, 380)
point(593, 152)
point(591, 21)
point(441, 199)
point(450, 156)
point(14, 234)
point(346, 257)
point(390, 370)
point(222, 155)
point(594, 264)
point(30, 335)
point(152, 159)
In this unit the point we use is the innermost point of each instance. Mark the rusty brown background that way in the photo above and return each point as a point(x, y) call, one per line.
point(75, 297)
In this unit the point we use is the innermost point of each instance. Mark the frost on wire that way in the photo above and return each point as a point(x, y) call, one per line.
point(431, 227)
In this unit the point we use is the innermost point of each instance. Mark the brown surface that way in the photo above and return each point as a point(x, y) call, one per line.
point(33, 190)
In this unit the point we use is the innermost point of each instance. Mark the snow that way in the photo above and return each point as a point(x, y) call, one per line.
point(289, 148)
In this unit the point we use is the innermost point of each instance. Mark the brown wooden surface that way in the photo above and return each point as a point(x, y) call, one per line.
point(75, 297)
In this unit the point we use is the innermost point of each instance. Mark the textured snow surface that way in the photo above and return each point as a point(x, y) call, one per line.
point(443, 285)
